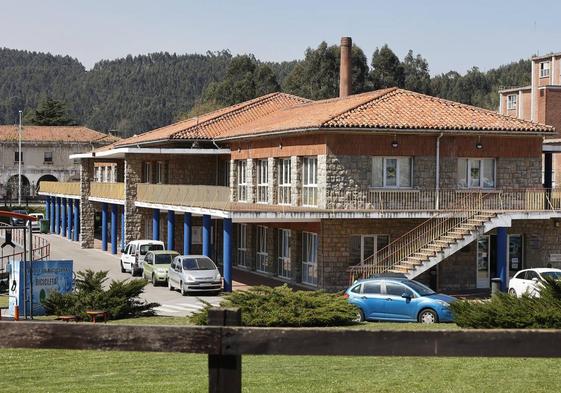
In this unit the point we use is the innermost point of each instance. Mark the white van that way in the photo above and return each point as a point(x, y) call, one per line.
point(133, 255)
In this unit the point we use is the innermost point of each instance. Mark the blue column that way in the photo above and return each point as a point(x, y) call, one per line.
point(57, 216)
point(187, 239)
point(47, 203)
point(63, 217)
point(104, 226)
point(156, 224)
point(114, 229)
point(171, 230)
point(76, 217)
point(207, 227)
point(502, 248)
point(123, 228)
point(69, 218)
point(52, 215)
point(227, 255)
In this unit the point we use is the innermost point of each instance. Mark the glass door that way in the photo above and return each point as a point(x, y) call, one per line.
point(483, 256)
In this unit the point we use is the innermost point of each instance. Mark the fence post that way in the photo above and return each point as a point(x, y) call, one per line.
point(224, 371)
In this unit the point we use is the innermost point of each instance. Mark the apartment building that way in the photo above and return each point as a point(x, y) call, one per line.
point(317, 193)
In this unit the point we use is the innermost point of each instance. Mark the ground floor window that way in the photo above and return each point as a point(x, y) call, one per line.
point(262, 254)
point(242, 245)
point(365, 246)
point(284, 269)
point(309, 258)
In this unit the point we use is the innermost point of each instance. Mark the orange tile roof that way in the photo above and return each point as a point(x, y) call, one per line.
point(9, 133)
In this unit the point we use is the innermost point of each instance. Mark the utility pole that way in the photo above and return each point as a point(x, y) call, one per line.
point(19, 162)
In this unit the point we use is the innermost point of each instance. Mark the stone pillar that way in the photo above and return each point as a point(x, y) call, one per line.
point(251, 172)
point(272, 251)
point(187, 238)
point(69, 209)
point(227, 254)
point(104, 226)
point(156, 224)
point(272, 169)
point(133, 216)
point(114, 212)
point(296, 177)
point(120, 175)
point(322, 181)
point(87, 210)
point(171, 230)
point(207, 233)
point(502, 252)
point(76, 226)
point(233, 181)
point(296, 255)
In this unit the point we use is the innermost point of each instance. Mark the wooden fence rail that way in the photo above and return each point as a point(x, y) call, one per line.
point(226, 344)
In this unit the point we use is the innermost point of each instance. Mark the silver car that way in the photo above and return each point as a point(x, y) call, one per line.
point(194, 273)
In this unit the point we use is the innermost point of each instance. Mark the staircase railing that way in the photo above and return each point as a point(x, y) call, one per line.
point(419, 237)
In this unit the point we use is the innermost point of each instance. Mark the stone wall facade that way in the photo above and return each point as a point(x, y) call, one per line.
point(87, 210)
point(133, 217)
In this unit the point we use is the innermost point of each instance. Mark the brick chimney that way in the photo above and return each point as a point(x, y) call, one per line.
point(345, 79)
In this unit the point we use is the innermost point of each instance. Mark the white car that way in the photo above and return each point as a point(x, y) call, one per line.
point(529, 280)
point(133, 255)
point(36, 225)
point(194, 273)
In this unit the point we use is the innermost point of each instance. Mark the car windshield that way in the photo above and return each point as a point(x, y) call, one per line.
point(552, 274)
point(163, 259)
point(421, 289)
point(150, 247)
point(198, 264)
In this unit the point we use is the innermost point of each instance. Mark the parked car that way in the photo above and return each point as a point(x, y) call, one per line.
point(194, 273)
point(19, 221)
point(36, 225)
point(529, 281)
point(156, 265)
point(398, 299)
point(134, 253)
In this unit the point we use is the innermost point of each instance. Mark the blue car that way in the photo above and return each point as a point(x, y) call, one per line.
point(398, 299)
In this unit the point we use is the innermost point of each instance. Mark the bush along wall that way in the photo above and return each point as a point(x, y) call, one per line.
point(510, 312)
point(283, 307)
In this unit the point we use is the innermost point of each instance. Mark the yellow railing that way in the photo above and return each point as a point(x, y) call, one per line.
point(210, 197)
point(60, 188)
point(107, 190)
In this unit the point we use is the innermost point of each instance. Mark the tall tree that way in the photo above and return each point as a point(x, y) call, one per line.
point(51, 112)
point(387, 70)
point(416, 73)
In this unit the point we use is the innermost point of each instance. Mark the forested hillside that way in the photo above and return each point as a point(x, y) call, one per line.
point(138, 93)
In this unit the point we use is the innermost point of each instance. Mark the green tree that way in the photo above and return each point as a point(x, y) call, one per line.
point(416, 73)
point(51, 112)
point(387, 70)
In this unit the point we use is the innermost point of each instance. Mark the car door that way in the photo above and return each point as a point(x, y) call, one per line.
point(129, 256)
point(397, 307)
point(530, 285)
point(372, 299)
point(172, 272)
point(148, 266)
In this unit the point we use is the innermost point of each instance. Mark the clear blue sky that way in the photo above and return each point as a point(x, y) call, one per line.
point(450, 34)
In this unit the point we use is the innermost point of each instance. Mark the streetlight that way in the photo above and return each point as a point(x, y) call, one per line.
point(19, 161)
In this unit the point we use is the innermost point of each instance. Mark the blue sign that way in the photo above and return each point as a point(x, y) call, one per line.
point(44, 278)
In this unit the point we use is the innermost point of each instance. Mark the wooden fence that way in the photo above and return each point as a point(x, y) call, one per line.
point(225, 342)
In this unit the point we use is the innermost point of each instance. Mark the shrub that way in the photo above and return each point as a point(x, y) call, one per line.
point(509, 312)
point(281, 306)
point(120, 299)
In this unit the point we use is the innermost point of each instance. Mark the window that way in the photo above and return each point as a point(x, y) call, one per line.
point(511, 101)
point(262, 181)
point(242, 181)
point(309, 258)
point(310, 181)
point(48, 157)
point(544, 69)
point(262, 254)
point(147, 173)
point(98, 174)
point(392, 172)
point(242, 245)
point(372, 288)
point(285, 182)
point(394, 289)
point(476, 172)
point(530, 275)
point(17, 156)
point(284, 254)
point(364, 246)
point(161, 172)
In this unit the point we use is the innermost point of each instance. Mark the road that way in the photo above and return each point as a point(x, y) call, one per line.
point(172, 303)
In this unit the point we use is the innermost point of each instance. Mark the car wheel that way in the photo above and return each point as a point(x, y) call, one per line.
point(182, 289)
point(512, 292)
point(122, 268)
point(359, 315)
point(154, 282)
point(428, 316)
point(170, 287)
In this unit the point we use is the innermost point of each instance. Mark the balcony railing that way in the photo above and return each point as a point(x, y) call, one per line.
point(60, 188)
point(107, 190)
point(210, 197)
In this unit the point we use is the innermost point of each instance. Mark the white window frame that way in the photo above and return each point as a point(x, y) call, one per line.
point(262, 262)
point(242, 245)
point(160, 172)
point(263, 181)
point(375, 237)
point(511, 101)
point(242, 180)
point(309, 258)
point(310, 181)
point(545, 69)
point(385, 160)
point(147, 172)
point(284, 265)
point(285, 181)
point(481, 171)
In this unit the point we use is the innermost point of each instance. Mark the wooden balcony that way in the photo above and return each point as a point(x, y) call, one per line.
point(59, 188)
point(110, 191)
point(208, 197)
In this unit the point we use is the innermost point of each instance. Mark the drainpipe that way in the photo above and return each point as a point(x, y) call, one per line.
point(437, 177)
